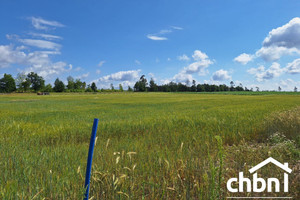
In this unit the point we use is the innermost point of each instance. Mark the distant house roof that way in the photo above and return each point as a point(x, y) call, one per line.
point(275, 162)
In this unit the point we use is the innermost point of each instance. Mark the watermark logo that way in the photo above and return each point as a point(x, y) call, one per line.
point(260, 184)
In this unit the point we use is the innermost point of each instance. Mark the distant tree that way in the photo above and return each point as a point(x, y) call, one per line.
point(257, 89)
point(121, 88)
point(20, 79)
point(37, 82)
point(83, 86)
point(279, 89)
point(89, 88)
point(48, 88)
point(94, 87)
point(295, 89)
point(7, 84)
point(71, 83)
point(231, 86)
point(200, 88)
point(140, 86)
point(153, 87)
point(112, 87)
point(78, 85)
point(59, 86)
point(194, 87)
point(129, 89)
point(26, 84)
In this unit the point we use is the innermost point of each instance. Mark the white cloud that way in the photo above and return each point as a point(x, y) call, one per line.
point(177, 27)
point(273, 53)
point(130, 75)
point(153, 37)
point(198, 55)
point(158, 36)
point(43, 44)
point(101, 63)
point(183, 78)
point(98, 71)
point(284, 40)
point(256, 70)
point(199, 66)
point(42, 24)
point(9, 55)
point(183, 58)
point(243, 58)
point(151, 75)
point(221, 75)
point(137, 62)
point(285, 36)
point(83, 76)
point(293, 67)
point(262, 74)
point(168, 59)
point(37, 61)
point(46, 36)
point(47, 70)
point(77, 69)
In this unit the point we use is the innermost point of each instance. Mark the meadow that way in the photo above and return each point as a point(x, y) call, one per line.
point(149, 145)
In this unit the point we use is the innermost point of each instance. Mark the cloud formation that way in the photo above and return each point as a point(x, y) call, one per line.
point(221, 75)
point(293, 67)
point(46, 36)
point(284, 40)
point(38, 60)
point(199, 66)
point(183, 58)
point(262, 74)
point(42, 24)
point(43, 44)
point(159, 36)
point(122, 76)
point(101, 63)
point(153, 37)
point(10, 55)
point(243, 58)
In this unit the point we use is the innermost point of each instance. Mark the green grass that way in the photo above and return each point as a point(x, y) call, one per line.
point(149, 145)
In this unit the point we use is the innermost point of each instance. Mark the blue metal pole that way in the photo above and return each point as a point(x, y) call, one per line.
point(89, 160)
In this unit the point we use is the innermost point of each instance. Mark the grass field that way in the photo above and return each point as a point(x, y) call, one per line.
point(149, 145)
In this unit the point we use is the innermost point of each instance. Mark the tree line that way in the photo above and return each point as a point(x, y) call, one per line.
point(142, 86)
point(32, 82)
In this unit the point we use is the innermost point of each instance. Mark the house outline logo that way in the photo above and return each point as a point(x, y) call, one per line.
point(264, 184)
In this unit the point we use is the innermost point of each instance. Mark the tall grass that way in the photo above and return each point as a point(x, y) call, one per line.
point(149, 146)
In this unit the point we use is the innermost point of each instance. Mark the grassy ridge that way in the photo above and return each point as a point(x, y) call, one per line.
point(151, 145)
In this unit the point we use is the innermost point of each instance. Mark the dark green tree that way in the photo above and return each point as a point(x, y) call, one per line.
point(140, 86)
point(48, 88)
point(112, 87)
point(71, 83)
point(7, 84)
point(94, 87)
point(37, 82)
point(59, 86)
point(153, 86)
point(121, 87)
point(194, 87)
point(129, 89)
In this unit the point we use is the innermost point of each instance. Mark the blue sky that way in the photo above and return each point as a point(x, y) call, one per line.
point(256, 43)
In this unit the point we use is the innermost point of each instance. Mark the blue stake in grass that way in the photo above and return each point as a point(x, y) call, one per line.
point(89, 160)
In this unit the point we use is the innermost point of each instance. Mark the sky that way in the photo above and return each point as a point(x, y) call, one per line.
point(255, 43)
